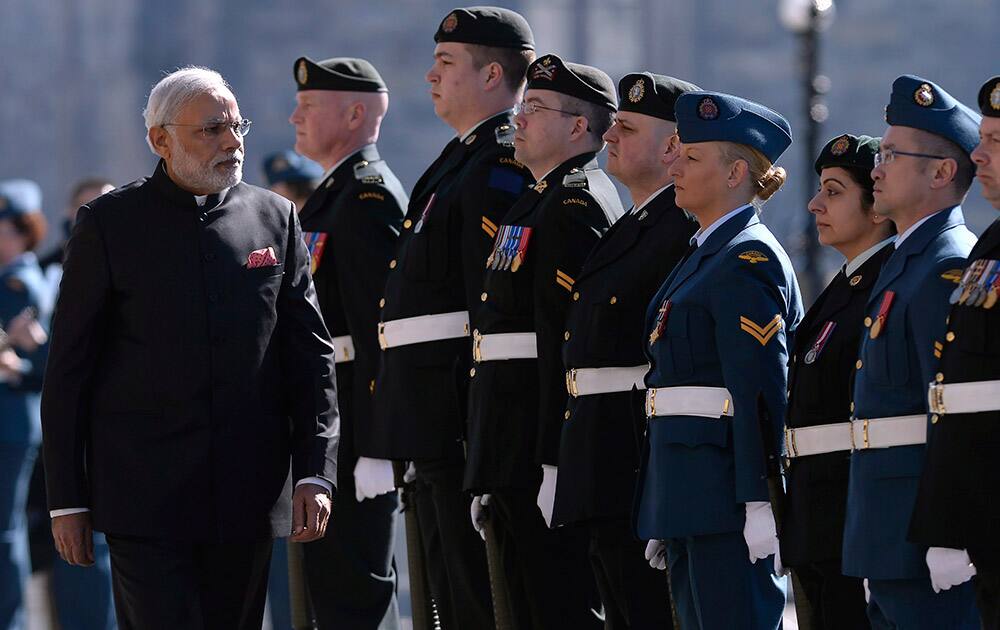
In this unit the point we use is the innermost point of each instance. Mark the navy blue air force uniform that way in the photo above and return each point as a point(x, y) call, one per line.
point(724, 318)
point(906, 314)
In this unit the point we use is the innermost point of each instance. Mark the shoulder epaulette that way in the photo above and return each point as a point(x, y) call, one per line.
point(505, 135)
point(576, 178)
point(366, 172)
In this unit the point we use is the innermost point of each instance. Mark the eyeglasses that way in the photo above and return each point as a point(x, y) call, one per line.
point(214, 129)
point(530, 108)
point(888, 155)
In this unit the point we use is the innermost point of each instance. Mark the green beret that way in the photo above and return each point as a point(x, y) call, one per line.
point(340, 74)
point(572, 79)
point(989, 98)
point(849, 151)
point(495, 27)
point(651, 94)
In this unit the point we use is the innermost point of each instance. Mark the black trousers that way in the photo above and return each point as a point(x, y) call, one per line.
point(455, 555)
point(987, 585)
point(548, 570)
point(161, 584)
point(635, 595)
point(350, 571)
point(837, 601)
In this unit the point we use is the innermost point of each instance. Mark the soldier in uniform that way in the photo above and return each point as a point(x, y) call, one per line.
point(817, 437)
point(719, 330)
point(517, 395)
point(922, 172)
point(598, 452)
point(956, 512)
point(434, 282)
point(350, 225)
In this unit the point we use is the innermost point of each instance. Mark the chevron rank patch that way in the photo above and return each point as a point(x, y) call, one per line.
point(753, 257)
point(938, 349)
point(564, 280)
point(764, 333)
point(489, 227)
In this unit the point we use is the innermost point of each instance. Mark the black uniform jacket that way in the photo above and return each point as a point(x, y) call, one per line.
point(958, 504)
point(516, 406)
point(351, 223)
point(598, 452)
point(819, 385)
point(454, 211)
point(181, 377)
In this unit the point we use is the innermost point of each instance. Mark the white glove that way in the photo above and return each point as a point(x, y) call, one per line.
point(656, 553)
point(779, 569)
point(547, 492)
point(479, 512)
point(949, 567)
point(372, 477)
point(411, 473)
point(868, 593)
point(759, 531)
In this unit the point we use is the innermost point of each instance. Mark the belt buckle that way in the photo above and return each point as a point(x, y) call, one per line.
point(790, 442)
point(382, 342)
point(477, 353)
point(864, 434)
point(935, 398)
point(571, 383)
point(651, 402)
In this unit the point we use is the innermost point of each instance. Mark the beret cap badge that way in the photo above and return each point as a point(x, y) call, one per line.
point(637, 91)
point(841, 146)
point(924, 96)
point(450, 23)
point(995, 98)
point(544, 69)
point(707, 109)
point(302, 73)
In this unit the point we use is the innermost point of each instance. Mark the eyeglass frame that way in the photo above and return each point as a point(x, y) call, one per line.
point(521, 109)
point(879, 160)
point(234, 126)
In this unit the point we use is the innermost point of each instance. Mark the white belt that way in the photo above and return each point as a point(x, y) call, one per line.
point(587, 381)
point(708, 402)
point(503, 346)
point(974, 397)
point(889, 432)
point(343, 349)
point(819, 439)
point(410, 330)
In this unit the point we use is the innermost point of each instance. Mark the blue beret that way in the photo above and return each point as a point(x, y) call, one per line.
point(718, 117)
point(920, 104)
point(289, 166)
point(19, 197)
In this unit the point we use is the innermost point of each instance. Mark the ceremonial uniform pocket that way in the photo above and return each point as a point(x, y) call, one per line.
point(973, 333)
point(427, 251)
point(603, 336)
point(678, 341)
point(888, 355)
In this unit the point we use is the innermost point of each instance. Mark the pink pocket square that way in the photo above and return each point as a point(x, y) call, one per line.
point(261, 258)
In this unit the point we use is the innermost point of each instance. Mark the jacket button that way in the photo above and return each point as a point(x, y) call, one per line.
point(939, 377)
point(576, 295)
point(858, 365)
point(566, 415)
point(950, 336)
point(472, 372)
point(934, 419)
point(852, 406)
point(392, 264)
point(868, 322)
point(566, 335)
point(482, 298)
point(381, 303)
point(614, 300)
point(407, 224)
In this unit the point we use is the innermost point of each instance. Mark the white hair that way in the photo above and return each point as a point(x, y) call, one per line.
point(176, 90)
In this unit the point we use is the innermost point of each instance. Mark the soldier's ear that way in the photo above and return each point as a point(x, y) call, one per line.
point(738, 172)
point(492, 76)
point(944, 173)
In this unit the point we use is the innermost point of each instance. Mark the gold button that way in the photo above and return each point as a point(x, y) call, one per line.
point(576, 295)
point(868, 322)
point(614, 300)
point(371, 386)
point(934, 419)
point(392, 264)
point(566, 335)
point(407, 224)
point(482, 298)
point(566, 415)
point(858, 364)
point(472, 372)
point(852, 406)
point(939, 377)
point(950, 336)
point(381, 303)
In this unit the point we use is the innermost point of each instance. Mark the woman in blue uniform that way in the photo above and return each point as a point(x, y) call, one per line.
point(719, 330)
point(818, 437)
point(25, 303)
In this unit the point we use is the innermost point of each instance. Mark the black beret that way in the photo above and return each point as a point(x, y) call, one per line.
point(340, 74)
point(989, 98)
point(486, 26)
point(572, 79)
point(849, 151)
point(651, 94)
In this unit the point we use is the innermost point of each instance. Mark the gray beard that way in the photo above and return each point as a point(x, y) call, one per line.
point(195, 175)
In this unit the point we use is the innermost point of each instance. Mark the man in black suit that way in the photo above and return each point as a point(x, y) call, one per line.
point(351, 223)
point(191, 378)
point(434, 283)
point(598, 451)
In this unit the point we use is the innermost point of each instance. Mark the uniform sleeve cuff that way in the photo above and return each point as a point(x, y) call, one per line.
point(319, 481)
point(67, 511)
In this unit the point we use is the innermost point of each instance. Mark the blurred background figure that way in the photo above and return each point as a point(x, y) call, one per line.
point(292, 176)
point(25, 307)
point(83, 191)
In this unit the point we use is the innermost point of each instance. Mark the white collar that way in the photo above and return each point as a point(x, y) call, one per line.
point(201, 199)
point(855, 263)
point(636, 209)
point(702, 235)
point(913, 228)
point(463, 136)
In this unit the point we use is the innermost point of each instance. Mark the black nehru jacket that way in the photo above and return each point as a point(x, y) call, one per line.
point(516, 406)
point(454, 209)
point(351, 223)
point(189, 360)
